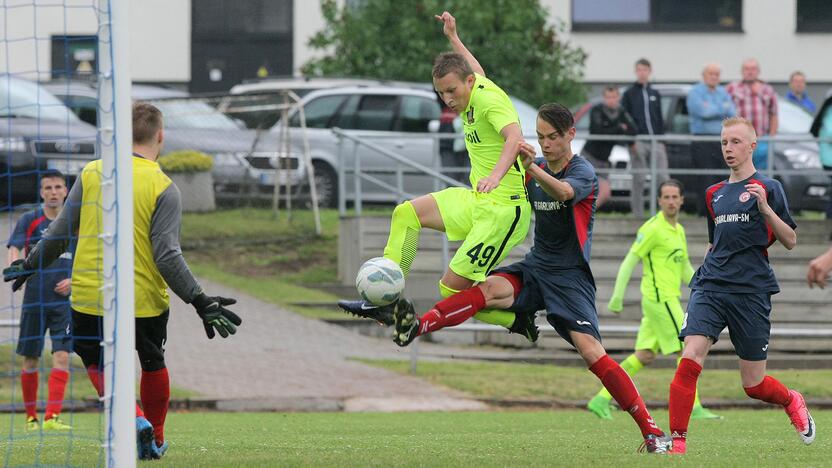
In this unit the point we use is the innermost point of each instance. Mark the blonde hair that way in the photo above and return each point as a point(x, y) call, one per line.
point(732, 121)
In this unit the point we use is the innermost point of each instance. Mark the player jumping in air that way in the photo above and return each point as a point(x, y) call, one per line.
point(662, 246)
point(733, 287)
point(555, 274)
point(492, 218)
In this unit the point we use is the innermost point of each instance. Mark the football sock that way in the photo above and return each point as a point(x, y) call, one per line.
point(624, 391)
point(696, 401)
point(682, 392)
point(770, 390)
point(29, 386)
point(404, 236)
point(155, 394)
point(631, 366)
point(97, 379)
point(452, 311)
point(57, 383)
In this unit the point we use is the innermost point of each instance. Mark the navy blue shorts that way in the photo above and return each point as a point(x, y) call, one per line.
point(745, 315)
point(34, 321)
point(568, 296)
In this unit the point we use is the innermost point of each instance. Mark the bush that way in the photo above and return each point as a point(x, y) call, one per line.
point(186, 161)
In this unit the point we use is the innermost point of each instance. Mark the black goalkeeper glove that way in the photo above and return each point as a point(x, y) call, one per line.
point(215, 316)
point(17, 272)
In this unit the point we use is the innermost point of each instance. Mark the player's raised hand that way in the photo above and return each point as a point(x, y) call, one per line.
point(819, 269)
point(487, 184)
point(214, 315)
point(449, 28)
point(757, 191)
point(527, 154)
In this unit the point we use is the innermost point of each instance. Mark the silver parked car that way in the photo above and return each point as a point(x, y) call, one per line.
point(245, 161)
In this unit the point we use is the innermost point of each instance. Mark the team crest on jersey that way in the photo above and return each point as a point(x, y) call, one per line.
point(470, 115)
point(744, 197)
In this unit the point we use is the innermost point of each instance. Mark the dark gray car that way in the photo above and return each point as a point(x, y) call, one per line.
point(37, 132)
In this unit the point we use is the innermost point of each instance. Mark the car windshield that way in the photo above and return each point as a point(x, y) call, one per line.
point(181, 113)
point(21, 98)
point(792, 119)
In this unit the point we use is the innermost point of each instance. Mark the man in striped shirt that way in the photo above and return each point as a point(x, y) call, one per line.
point(756, 101)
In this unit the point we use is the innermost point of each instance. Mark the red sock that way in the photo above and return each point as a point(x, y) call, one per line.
point(155, 393)
point(29, 385)
point(453, 310)
point(57, 383)
point(682, 393)
point(97, 379)
point(621, 387)
point(770, 390)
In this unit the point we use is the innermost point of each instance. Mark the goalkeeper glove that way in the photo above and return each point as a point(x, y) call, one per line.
point(215, 316)
point(18, 272)
point(616, 304)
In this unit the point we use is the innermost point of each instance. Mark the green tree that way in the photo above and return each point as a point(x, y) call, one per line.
point(397, 40)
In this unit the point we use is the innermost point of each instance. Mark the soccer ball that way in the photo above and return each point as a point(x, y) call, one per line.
point(380, 281)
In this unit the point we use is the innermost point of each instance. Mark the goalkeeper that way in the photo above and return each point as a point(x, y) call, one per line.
point(662, 247)
point(159, 264)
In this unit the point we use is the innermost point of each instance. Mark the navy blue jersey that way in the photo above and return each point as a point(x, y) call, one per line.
point(563, 230)
point(40, 287)
point(740, 236)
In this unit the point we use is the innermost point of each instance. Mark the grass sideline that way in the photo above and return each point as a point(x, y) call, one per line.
point(518, 381)
point(271, 258)
point(513, 438)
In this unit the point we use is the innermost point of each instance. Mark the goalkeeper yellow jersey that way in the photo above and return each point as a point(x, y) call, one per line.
point(489, 111)
point(151, 295)
point(663, 250)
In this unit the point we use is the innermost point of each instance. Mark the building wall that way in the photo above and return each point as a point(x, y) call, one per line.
point(160, 37)
point(308, 21)
point(769, 35)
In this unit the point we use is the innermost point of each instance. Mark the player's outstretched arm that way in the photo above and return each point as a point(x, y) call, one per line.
point(616, 303)
point(556, 189)
point(508, 156)
point(782, 231)
point(819, 269)
point(449, 29)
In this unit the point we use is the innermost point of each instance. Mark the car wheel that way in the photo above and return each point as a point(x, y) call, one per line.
point(326, 181)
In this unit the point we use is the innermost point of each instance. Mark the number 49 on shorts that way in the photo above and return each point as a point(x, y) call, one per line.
point(481, 254)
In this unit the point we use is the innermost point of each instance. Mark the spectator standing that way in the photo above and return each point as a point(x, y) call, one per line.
point(644, 104)
point(797, 92)
point(606, 118)
point(756, 101)
point(708, 105)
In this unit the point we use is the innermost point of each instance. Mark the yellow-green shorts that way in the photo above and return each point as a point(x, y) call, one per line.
point(660, 325)
point(490, 230)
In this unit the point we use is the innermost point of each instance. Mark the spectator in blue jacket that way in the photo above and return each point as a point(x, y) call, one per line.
point(708, 104)
point(797, 92)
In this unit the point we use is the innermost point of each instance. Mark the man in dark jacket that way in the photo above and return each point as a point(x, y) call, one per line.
point(606, 118)
point(644, 104)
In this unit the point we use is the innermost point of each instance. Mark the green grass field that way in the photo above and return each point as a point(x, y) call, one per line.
point(544, 381)
point(544, 438)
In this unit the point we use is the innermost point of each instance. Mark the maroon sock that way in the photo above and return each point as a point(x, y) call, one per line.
point(97, 379)
point(453, 310)
point(621, 387)
point(770, 390)
point(57, 383)
point(29, 386)
point(682, 393)
point(155, 394)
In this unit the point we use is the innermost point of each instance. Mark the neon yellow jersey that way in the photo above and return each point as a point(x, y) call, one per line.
point(488, 111)
point(663, 250)
point(151, 295)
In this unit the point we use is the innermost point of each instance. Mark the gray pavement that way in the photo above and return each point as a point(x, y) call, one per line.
point(277, 360)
